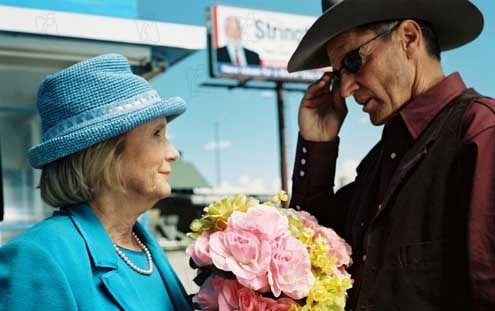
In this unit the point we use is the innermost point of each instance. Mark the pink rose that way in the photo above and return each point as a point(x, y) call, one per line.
point(338, 246)
point(218, 293)
point(309, 220)
point(200, 250)
point(228, 298)
point(341, 272)
point(281, 304)
point(245, 246)
point(290, 269)
point(249, 300)
point(263, 220)
point(243, 253)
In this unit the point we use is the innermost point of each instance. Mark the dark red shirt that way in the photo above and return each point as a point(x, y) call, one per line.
point(399, 134)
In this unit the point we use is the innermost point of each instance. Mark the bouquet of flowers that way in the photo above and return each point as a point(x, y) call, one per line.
point(253, 256)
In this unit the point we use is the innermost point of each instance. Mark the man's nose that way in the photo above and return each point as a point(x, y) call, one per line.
point(348, 84)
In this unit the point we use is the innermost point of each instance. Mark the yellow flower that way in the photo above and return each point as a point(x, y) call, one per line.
point(295, 224)
point(280, 197)
point(295, 307)
point(306, 236)
point(196, 225)
point(328, 293)
point(319, 256)
point(241, 202)
point(216, 215)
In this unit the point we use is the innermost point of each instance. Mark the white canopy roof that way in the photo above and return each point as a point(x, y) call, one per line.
point(34, 43)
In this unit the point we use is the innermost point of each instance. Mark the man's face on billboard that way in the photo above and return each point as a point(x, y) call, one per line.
point(233, 29)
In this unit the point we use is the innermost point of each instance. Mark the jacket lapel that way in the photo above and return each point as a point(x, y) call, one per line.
point(104, 257)
point(174, 287)
point(122, 290)
point(416, 154)
point(409, 161)
point(368, 174)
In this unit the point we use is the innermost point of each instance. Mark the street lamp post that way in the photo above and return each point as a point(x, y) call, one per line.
point(217, 153)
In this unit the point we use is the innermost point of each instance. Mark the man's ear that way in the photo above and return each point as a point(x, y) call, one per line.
point(411, 38)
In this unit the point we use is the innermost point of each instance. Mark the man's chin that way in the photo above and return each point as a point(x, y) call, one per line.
point(380, 119)
point(376, 121)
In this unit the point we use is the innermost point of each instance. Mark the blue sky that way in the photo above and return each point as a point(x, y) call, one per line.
point(247, 118)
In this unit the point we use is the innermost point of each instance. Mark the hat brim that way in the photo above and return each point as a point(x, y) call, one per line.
point(71, 143)
point(455, 22)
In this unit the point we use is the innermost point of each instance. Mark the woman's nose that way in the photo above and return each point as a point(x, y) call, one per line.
point(172, 153)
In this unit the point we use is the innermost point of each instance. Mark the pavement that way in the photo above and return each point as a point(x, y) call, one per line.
point(180, 261)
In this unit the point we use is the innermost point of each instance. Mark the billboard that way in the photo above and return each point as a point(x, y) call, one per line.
point(252, 44)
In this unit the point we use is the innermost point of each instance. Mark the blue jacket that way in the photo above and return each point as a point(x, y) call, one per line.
point(67, 262)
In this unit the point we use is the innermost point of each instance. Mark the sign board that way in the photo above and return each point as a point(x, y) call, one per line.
point(252, 44)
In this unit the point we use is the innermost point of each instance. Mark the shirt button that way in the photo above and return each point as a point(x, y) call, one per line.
point(298, 207)
point(301, 173)
point(364, 258)
point(362, 224)
point(379, 207)
point(303, 161)
point(304, 150)
point(393, 155)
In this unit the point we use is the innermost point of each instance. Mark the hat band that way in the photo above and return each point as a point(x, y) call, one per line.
point(94, 116)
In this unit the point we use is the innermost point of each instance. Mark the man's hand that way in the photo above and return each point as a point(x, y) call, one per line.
point(322, 111)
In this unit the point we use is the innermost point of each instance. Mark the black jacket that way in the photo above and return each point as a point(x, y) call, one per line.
point(252, 58)
point(416, 247)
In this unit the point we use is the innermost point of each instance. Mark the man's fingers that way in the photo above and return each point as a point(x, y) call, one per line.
point(318, 87)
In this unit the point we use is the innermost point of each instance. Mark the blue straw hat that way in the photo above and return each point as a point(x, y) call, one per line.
point(92, 101)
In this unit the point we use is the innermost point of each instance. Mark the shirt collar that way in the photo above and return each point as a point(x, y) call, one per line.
point(420, 110)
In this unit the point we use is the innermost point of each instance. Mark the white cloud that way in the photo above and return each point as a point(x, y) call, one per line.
point(346, 173)
point(224, 144)
point(244, 179)
point(277, 184)
point(244, 184)
point(267, 94)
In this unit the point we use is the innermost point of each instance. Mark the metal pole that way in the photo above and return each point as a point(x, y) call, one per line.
point(217, 153)
point(1, 188)
point(281, 136)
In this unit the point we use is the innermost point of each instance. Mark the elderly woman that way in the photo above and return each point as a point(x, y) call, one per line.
point(105, 160)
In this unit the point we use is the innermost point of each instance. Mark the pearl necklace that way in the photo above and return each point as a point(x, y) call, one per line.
point(133, 265)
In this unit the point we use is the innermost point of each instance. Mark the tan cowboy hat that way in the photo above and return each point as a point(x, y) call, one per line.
point(455, 22)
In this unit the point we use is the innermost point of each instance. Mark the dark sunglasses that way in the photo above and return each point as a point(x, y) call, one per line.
point(352, 61)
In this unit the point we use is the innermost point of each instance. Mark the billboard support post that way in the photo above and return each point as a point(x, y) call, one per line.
point(281, 137)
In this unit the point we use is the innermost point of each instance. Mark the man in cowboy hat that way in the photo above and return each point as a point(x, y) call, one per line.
point(420, 215)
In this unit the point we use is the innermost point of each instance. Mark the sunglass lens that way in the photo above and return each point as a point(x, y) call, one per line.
point(352, 61)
